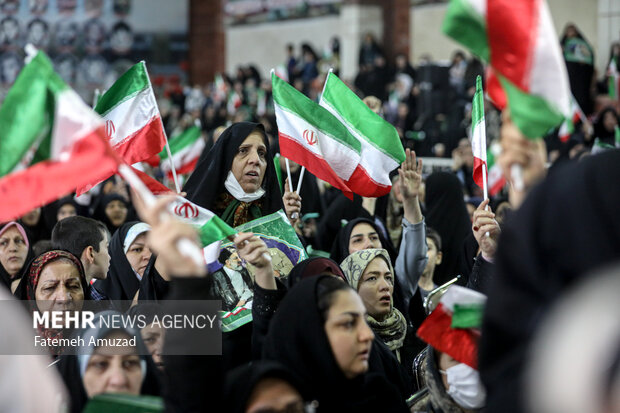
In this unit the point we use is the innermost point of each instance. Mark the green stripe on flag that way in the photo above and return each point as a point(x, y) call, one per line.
point(477, 112)
point(26, 116)
point(231, 321)
point(467, 315)
point(467, 26)
point(532, 114)
point(291, 100)
point(617, 136)
point(359, 117)
point(132, 82)
point(214, 230)
point(183, 140)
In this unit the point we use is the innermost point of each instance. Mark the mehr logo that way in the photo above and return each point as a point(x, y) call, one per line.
point(311, 137)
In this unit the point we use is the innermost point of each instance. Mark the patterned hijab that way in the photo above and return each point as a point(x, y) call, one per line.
point(31, 280)
point(393, 328)
point(36, 267)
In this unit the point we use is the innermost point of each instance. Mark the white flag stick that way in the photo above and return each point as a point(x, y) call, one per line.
point(174, 172)
point(185, 246)
point(290, 183)
point(301, 178)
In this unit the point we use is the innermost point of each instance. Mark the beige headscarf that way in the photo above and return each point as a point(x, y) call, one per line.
point(393, 328)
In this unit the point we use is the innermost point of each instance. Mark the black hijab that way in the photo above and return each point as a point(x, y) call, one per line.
point(600, 132)
point(69, 369)
point(121, 282)
point(5, 278)
point(340, 248)
point(447, 214)
point(297, 339)
point(39, 231)
point(100, 215)
point(206, 183)
point(152, 286)
point(241, 381)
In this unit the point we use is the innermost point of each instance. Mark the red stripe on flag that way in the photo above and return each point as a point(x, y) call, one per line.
point(293, 150)
point(91, 157)
point(185, 169)
point(460, 344)
point(478, 165)
point(143, 144)
point(156, 187)
point(362, 184)
point(512, 29)
point(495, 91)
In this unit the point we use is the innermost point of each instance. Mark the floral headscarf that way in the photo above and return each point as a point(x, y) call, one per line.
point(393, 328)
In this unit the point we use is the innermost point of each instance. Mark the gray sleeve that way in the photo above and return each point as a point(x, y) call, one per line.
point(411, 258)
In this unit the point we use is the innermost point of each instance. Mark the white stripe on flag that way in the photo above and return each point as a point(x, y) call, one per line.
point(132, 115)
point(374, 162)
point(341, 158)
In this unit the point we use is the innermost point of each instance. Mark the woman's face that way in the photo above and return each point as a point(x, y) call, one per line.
point(250, 162)
point(59, 287)
point(153, 337)
point(65, 211)
point(274, 394)
point(13, 250)
point(376, 287)
point(139, 254)
point(610, 121)
point(113, 370)
point(116, 211)
point(363, 237)
point(32, 217)
point(349, 336)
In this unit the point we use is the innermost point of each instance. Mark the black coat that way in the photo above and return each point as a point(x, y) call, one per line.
point(568, 226)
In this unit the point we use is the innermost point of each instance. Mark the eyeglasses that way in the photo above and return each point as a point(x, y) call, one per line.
point(294, 407)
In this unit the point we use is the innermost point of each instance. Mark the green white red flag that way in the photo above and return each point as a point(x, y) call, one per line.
point(381, 149)
point(51, 142)
point(312, 137)
point(518, 40)
point(340, 141)
point(133, 122)
point(186, 149)
point(454, 326)
point(568, 126)
point(479, 136)
point(495, 177)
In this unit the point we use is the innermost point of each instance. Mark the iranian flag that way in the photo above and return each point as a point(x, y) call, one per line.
point(210, 227)
point(132, 119)
point(51, 142)
point(381, 149)
point(496, 179)
point(479, 137)
point(568, 126)
point(313, 137)
point(454, 326)
point(518, 40)
point(186, 149)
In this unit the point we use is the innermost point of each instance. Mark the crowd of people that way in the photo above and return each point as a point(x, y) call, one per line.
point(424, 300)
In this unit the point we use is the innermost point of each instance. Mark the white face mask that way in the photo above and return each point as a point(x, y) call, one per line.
point(233, 186)
point(466, 387)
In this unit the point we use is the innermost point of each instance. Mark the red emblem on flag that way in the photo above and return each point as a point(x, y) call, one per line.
point(310, 137)
point(109, 129)
point(186, 210)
